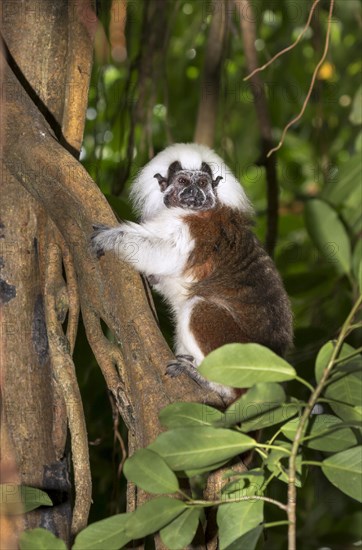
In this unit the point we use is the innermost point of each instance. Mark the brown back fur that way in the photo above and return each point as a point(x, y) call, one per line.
point(244, 297)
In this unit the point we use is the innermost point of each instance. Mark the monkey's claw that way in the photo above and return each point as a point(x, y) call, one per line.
point(174, 369)
point(182, 364)
point(98, 229)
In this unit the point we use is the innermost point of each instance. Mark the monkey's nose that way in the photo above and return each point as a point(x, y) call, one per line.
point(192, 196)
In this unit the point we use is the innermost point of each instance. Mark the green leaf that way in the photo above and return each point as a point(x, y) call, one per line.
point(357, 262)
point(192, 448)
point(328, 433)
point(340, 370)
point(273, 416)
point(347, 185)
point(349, 414)
point(247, 484)
point(40, 539)
point(247, 541)
point(153, 515)
point(243, 365)
point(360, 277)
point(323, 358)
point(236, 519)
point(19, 499)
point(180, 415)
point(108, 533)
point(344, 470)
point(150, 472)
point(344, 386)
point(180, 532)
point(192, 472)
point(260, 399)
point(328, 234)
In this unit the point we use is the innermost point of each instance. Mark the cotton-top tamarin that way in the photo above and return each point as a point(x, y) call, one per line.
point(195, 244)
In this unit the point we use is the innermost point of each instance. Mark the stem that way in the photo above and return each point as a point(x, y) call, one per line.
point(305, 383)
point(277, 447)
point(347, 357)
point(355, 326)
point(267, 481)
point(275, 524)
point(208, 503)
point(329, 400)
point(311, 463)
point(292, 493)
point(261, 453)
point(275, 435)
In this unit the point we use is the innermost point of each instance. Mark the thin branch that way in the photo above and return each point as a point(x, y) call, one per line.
point(64, 372)
point(315, 73)
point(239, 499)
point(292, 493)
point(288, 48)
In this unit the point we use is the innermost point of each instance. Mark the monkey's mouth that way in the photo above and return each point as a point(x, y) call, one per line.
point(194, 198)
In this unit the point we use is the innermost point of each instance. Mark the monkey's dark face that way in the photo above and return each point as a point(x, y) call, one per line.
point(189, 189)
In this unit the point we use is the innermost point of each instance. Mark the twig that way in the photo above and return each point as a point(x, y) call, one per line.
point(292, 493)
point(239, 499)
point(65, 376)
point(288, 48)
point(315, 73)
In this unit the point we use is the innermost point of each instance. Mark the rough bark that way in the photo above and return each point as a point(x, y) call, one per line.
point(33, 407)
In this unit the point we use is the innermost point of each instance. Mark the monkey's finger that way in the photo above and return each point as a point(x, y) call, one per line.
point(174, 369)
point(100, 227)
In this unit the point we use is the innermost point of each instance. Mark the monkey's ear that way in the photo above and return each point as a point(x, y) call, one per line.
point(215, 182)
point(163, 182)
point(206, 168)
point(173, 168)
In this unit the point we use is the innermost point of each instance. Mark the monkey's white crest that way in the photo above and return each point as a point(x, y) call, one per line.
point(147, 196)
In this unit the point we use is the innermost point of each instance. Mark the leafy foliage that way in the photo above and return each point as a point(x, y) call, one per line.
point(204, 445)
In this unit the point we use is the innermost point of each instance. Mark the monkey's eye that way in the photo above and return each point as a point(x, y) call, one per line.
point(202, 182)
point(183, 181)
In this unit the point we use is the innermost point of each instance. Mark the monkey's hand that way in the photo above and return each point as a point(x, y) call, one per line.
point(103, 238)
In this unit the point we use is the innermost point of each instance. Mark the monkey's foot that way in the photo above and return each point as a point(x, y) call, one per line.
point(185, 364)
point(96, 238)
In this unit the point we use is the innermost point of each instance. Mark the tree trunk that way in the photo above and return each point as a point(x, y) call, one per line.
point(49, 205)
